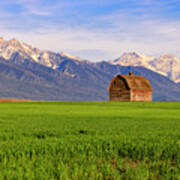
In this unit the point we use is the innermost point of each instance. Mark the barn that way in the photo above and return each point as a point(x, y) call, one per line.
point(130, 88)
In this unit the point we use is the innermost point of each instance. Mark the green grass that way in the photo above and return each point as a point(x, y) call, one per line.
point(83, 140)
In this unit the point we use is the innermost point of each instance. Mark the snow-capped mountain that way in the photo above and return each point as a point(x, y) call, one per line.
point(17, 51)
point(167, 65)
point(30, 73)
point(9, 50)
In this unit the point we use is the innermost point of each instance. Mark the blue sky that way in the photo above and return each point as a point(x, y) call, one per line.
point(94, 29)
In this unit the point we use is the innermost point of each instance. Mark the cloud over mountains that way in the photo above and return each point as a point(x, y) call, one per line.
point(100, 29)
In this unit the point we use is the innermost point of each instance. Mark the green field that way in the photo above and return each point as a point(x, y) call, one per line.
point(97, 140)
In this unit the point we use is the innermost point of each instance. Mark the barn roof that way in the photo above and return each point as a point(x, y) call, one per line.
point(135, 82)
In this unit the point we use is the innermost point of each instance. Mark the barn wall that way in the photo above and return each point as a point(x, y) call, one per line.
point(118, 95)
point(118, 91)
point(141, 95)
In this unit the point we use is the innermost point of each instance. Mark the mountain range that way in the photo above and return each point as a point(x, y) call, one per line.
point(31, 73)
point(167, 64)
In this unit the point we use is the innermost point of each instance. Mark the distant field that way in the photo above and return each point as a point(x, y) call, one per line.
point(13, 100)
point(64, 140)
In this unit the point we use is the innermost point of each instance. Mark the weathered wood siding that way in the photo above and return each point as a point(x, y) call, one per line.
point(118, 91)
point(141, 95)
point(130, 89)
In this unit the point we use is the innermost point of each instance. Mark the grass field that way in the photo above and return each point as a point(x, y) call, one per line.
point(97, 140)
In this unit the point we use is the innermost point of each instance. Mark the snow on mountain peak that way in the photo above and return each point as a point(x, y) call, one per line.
point(46, 58)
point(63, 54)
point(167, 64)
point(132, 59)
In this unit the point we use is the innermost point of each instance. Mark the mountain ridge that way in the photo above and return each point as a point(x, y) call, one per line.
point(59, 76)
point(167, 64)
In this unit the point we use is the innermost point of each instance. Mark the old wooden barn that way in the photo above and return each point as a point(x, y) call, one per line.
point(130, 88)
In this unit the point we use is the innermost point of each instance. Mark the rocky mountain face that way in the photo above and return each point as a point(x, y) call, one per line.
point(13, 49)
point(167, 65)
point(30, 73)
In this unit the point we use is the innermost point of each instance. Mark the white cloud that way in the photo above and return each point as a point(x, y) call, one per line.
point(151, 38)
point(101, 37)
